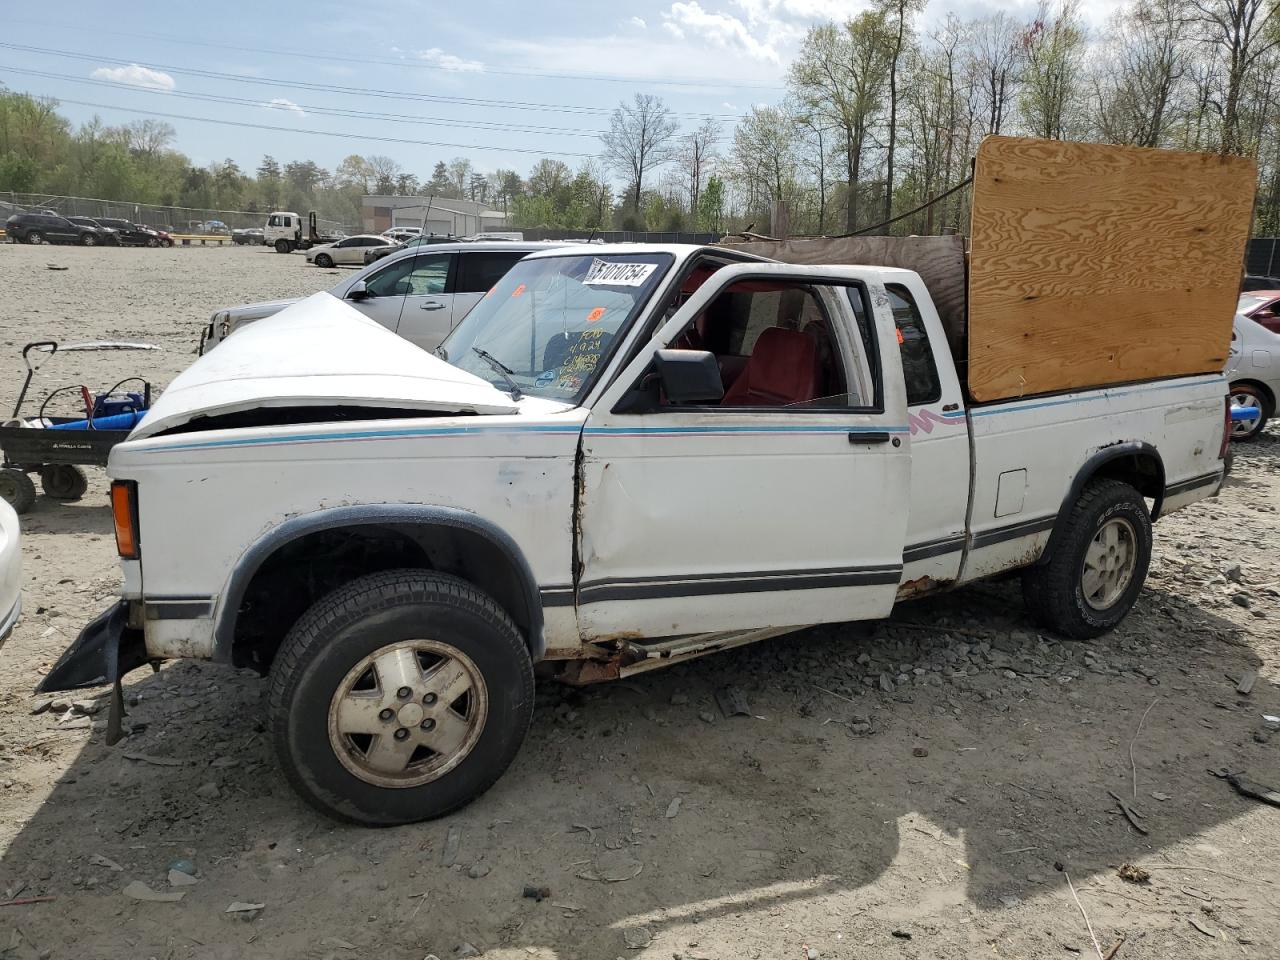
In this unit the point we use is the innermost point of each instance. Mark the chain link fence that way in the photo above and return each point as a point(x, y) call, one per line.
point(174, 219)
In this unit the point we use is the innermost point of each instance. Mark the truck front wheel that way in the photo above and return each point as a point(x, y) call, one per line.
point(1098, 566)
point(283, 246)
point(400, 697)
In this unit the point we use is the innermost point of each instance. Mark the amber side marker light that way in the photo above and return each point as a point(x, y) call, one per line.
point(124, 511)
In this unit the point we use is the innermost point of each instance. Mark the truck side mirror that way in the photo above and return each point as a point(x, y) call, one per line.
point(689, 376)
point(358, 291)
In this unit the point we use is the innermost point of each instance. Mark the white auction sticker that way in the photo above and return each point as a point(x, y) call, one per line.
point(618, 274)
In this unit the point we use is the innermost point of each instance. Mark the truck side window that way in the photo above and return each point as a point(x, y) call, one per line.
point(918, 367)
point(273, 221)
point(776, 346)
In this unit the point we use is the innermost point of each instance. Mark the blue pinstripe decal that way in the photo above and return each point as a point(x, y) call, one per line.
point(992, 411)
point(355, 435)
point(556, 430)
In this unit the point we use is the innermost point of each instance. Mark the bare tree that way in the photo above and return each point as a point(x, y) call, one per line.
point(1239, 28)
point(383, 171)
point(998, 57)
point(1137, 73)
point(897, 14)
point(1054, 48)
point(697, 152)
point(639, 139)
point(840, 76)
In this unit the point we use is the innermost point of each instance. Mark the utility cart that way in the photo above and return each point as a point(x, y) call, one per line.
point(57, 447)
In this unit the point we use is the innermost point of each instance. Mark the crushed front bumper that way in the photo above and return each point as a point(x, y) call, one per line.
point(106, 649)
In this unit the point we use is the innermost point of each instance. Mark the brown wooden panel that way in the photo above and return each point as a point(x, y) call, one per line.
point(1092, 264)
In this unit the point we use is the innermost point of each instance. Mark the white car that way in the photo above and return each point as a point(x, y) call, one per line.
point(421, 292)
point(10, 570)
point(348, 251)
point(1253, 366)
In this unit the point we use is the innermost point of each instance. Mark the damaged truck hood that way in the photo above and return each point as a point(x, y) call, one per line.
point(318, 352)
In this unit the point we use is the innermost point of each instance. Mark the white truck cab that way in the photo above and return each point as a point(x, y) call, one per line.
point(283, 227)
point(623, 457)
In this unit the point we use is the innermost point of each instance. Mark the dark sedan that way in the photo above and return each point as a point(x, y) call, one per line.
point(130, 234)
point(106, 235)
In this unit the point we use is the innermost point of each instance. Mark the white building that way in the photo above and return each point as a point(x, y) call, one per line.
point(459, 218)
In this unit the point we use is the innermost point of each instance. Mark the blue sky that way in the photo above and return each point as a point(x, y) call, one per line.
point(500, 83)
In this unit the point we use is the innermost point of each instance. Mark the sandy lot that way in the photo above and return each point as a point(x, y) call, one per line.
point(901, 789)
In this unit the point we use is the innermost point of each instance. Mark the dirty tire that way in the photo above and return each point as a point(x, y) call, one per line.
point(1247, 395)
point(282, 246)
point(324, 260)
point(1053, 592)
point(17, 489)
point(153, 242)
point(88, 240)
point(63, 481)
point(354, 622)
point(35, 236)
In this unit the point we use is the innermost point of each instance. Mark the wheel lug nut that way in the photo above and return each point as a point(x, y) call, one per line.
point(428, 724)
point(429, 699)
point(386, 714)
point(404, 693)
point(401, 733)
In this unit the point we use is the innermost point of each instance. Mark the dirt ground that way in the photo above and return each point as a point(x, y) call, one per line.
point(905, 789)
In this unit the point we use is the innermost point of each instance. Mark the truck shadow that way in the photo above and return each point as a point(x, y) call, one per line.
point(959, 789)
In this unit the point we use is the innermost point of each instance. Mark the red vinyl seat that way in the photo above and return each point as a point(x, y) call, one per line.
point(784, 368)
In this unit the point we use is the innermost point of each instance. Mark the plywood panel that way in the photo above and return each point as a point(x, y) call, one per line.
point(938, 260)
point(1091, 265)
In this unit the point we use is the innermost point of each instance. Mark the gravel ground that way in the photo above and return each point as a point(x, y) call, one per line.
point(907, 788)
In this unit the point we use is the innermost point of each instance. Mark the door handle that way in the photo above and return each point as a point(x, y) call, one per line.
point(431, 305)
point(856, 436)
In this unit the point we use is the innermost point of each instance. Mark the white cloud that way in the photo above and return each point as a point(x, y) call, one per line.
point(691, 20)
point(638, 23)
point(447, 61)
point(136, 76)
point(729, 106)
point(281, 103)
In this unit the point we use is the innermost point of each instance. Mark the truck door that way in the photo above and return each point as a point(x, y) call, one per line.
point(784, 502)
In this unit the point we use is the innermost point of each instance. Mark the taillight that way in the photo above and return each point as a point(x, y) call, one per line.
point(1226, 427)
point(124, 513)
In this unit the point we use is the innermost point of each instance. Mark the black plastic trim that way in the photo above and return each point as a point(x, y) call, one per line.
point(177, 608)
point(370, 515)
point(933, 548)
point(1013, 531)
point(1182, 486)
point(1090, 469)
point(714, 584)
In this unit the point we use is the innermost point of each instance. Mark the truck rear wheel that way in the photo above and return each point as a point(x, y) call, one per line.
point(1099, 563)
point(283, 246)
point(400, 697)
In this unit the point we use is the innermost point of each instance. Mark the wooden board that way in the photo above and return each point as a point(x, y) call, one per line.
point(938, 260)
point(1093, 265)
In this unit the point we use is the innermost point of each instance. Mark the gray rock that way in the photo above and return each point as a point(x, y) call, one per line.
point(886, 683)
point(208, 791)
point(679, 699)
point(478, 870)
point(465, 949)
point(706, 716)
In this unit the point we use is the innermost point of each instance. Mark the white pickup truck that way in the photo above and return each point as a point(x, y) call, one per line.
point(624, 457)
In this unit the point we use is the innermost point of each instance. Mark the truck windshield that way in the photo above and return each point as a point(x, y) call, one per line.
point(551, 322)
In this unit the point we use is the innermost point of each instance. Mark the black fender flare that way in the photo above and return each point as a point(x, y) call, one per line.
point(1089, 470)
point(228, 607)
